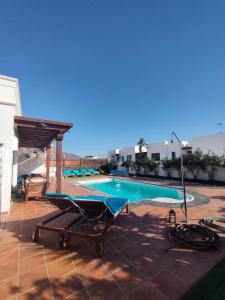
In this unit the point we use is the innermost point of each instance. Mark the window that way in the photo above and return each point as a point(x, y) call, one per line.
point(155, 156)
point(173, 155)
point(189, 152)
point(140, 156)
point(129, 157)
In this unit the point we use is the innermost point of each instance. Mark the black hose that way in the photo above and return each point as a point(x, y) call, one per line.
point(193, 236)
point(209, 222)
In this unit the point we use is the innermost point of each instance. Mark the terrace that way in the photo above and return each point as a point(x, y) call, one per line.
point(135, 264)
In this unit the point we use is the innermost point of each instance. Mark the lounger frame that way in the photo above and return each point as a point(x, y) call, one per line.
point(97, 238)
point(96, 211)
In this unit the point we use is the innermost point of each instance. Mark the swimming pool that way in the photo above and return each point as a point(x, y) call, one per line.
point(136, 191)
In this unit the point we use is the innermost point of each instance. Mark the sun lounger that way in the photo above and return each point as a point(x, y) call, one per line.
point(102, 212)
point(67, 214)
point(67, 173)
point(85, 172)
point(78, 173)
point(93, 216)
point(94, 172)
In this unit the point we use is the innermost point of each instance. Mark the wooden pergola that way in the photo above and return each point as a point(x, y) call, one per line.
point(39, 133)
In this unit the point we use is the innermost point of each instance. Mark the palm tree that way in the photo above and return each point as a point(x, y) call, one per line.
point(141, 143)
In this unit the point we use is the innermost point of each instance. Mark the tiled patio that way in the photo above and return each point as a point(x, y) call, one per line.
point(135, 265)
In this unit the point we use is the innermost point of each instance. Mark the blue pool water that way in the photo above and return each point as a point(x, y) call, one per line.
point(134, 191)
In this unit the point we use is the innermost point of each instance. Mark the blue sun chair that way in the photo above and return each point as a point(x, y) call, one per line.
point(94, 172)
point(67, 173)
point(87, 217)
point(85, 172)
point(78, 173)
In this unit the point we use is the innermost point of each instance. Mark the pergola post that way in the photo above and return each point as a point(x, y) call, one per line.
point(59, 139)
point(48, 153)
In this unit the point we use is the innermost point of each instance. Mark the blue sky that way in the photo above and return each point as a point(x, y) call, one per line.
point(118, 70)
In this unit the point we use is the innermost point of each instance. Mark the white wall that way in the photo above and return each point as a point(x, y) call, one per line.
point(211, 142)
point(127, 151)
point(165, 149)
point(9, 107)
point(112, 153)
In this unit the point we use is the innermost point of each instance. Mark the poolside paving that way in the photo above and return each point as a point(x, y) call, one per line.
point(134, 266)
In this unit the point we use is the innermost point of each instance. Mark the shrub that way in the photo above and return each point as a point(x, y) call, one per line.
point(167, 166)
point(150, 165)
point(212, 163)
point(127, 164)
point(107, 167)
point(195, 162)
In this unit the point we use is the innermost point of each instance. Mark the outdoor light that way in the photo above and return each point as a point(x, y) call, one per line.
point(173, 134)
point(172, 216)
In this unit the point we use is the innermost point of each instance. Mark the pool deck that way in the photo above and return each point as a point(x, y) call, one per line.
point(135, 265)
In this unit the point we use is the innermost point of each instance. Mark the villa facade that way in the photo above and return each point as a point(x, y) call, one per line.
point(214, 143)
point(9, 107)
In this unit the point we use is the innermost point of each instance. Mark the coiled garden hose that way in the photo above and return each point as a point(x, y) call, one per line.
point(193, 236)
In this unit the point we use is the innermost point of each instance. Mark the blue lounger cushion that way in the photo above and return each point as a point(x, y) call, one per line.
point(115, 205)
point(56, 195)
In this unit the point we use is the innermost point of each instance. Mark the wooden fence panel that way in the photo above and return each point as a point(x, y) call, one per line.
point(81, 163)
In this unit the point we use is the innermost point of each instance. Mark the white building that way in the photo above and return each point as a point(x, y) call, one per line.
point(9, 107)
point(162, 150)
point(214, 143)
point(127, 153)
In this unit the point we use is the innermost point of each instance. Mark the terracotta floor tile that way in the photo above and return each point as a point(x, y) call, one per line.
point(114, 262)
point(166, 258)
point(94, 272)
point(128, 278)
point(121, 243)
point(82, 260)
point(60, 267)
point(8, 271)
point(32, 279)
point(146, 291)
point(105, 289)
point(200, 261)
point(80, 295)
point(169, 285)
point(147, 267)
point(10, 256)
point(42, 292)
point(8, 288)
point(133, 252)
point(30, 250)
point(186, 271)
point(30, 263)
point(135, 237)
point(53, 255)
point(140, 236)
point(66, 285)
point(215, 255)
